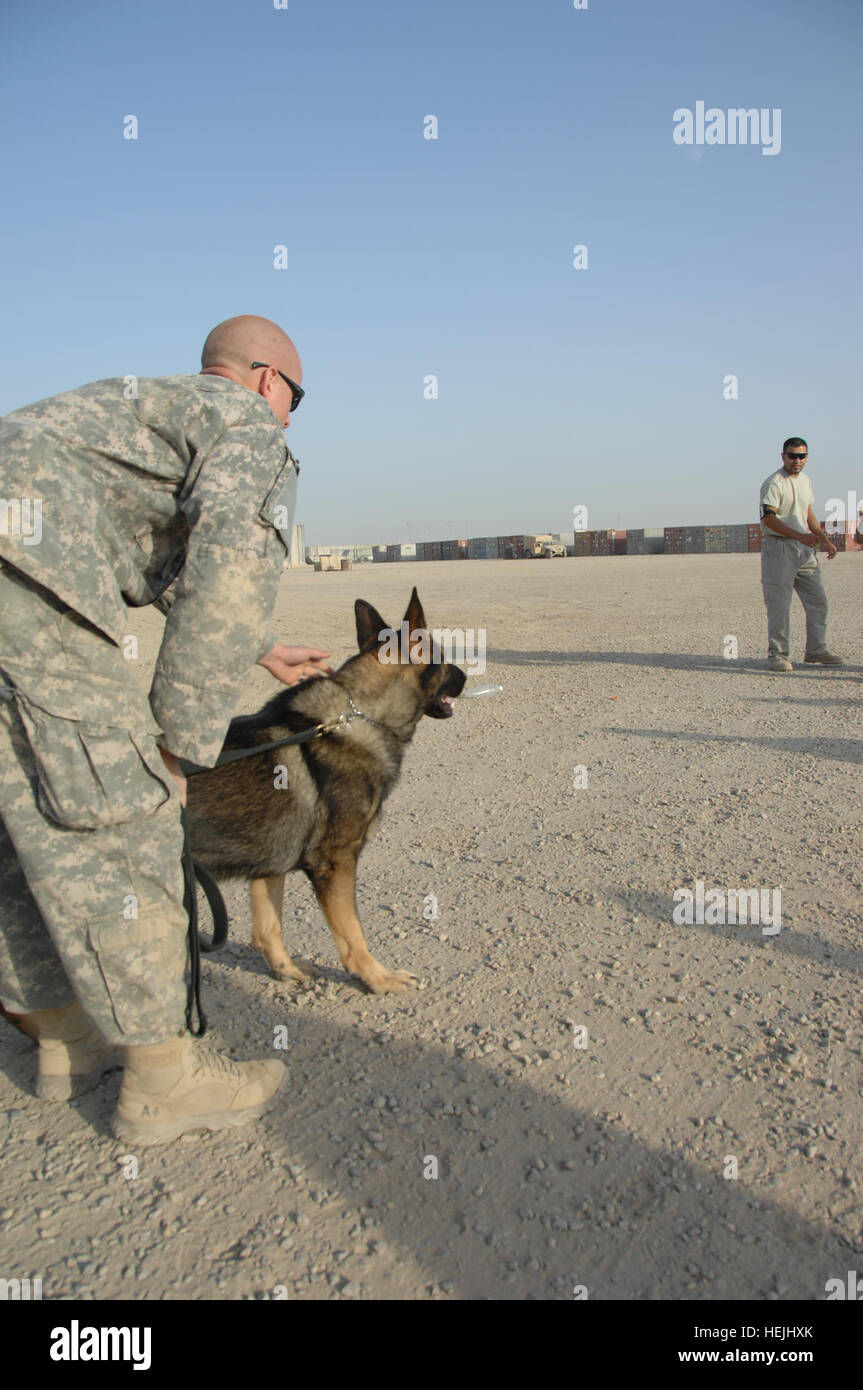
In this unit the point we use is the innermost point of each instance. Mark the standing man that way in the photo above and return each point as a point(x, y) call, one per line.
point(111, 492)
point(790, 536)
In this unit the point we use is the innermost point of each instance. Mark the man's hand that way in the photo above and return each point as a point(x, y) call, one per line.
point(293, 664)
point(830, 548)
point(173, 767)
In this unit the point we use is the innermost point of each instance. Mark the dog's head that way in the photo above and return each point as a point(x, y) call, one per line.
point(415, 652)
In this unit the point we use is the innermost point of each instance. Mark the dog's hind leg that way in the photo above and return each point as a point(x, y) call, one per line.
point(267, 896)
point(336, 891)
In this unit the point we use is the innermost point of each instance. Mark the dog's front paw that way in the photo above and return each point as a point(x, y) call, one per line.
point(392, 982)
point(288, 971)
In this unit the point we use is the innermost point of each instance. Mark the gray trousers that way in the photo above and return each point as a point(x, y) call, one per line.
point(787, 565)
point(91, 882)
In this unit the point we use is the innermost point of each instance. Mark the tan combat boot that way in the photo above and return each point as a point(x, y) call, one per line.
point(72, 1055)
point(171, 1087)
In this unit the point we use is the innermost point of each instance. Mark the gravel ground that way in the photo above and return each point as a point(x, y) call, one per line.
point(602, 1166)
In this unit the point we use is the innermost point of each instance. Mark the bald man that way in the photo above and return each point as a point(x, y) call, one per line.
point(113, 492)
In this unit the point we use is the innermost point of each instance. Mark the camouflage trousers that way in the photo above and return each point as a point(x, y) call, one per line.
point(91, 882)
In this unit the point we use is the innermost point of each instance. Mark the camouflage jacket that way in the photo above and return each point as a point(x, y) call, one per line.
point(114, 490)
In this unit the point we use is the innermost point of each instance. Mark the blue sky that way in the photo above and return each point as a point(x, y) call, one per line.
point(409, 257)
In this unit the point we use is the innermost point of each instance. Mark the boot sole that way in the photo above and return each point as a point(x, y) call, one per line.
point(144, 1134)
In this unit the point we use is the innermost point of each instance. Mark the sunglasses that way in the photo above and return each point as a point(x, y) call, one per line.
point(298, 391)
point(796, 456)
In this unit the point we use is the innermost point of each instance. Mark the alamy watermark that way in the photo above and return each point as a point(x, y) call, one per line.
point(457, 646)
point(737, 126)
point(840, 510)
point(21, 516)
point(719, 907)
point(20, 1290)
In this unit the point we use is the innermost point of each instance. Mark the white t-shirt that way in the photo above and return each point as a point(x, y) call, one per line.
point(790, 497)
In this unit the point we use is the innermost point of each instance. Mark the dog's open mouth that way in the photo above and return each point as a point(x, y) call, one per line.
point(440, 705)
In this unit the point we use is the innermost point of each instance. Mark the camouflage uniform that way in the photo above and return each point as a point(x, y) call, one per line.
point(174, 478)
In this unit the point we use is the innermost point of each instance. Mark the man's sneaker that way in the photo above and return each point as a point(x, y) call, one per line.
point(824, 659)
point(172, 1087)
point(73, 1057)
point(779, 663)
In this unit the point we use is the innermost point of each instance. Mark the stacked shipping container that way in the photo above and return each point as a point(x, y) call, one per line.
point(482, 548)
point(510, 547)
point(649, 541)
point(609, 542)
point(671, 540)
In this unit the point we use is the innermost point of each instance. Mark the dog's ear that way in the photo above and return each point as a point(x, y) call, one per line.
point(369, 625)
point(415, 617)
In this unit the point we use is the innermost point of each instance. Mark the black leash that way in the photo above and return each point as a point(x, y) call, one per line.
point(234, 755)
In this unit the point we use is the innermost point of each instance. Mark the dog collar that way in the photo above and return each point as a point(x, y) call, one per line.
point(345, 719)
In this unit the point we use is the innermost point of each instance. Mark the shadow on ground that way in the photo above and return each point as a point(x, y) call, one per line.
point(669, 661)
point(845, 750)
point(534, 1195)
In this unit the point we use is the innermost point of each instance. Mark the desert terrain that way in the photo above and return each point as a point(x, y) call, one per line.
point(580, 1068)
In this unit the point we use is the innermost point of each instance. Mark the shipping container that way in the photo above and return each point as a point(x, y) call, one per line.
point(482, 548)
point(432, 550)
point(379, 554)
point(714, 539)
point(510, 547)
point(693, 540)
point(581, 542)
point(454, 550)
point(753, 532)
point(603, 542)
point(654, 540)
point(674, 538)
point(737, 538)
point(845, 528)
point(620, 543)
point(649, 541)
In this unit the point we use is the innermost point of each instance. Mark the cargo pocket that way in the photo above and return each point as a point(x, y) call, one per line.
point(90, 777)
point(142, 964)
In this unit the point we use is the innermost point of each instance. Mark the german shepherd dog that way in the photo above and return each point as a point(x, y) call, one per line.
point(311, 806)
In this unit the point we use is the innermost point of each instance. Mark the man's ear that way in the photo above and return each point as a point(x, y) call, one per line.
point(369, 625)
point(415, 617)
